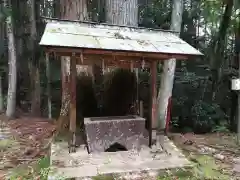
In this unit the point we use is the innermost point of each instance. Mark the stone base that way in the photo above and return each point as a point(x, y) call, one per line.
point(126, 131)
point(81, 165)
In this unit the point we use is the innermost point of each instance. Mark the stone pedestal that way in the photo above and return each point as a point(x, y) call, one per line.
point(103, 132)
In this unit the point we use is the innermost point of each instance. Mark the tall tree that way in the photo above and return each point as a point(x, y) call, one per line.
point(122, 12)
point(237, 46)
point(34, 64)
point(2, 37)
point(12, 84)
point(167, 78)
point(74, 10)
point(218, 44)
point(1, 94)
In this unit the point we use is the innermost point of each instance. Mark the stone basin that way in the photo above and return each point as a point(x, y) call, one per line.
point(104, 132)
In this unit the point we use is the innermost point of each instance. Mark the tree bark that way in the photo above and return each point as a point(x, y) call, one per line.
point(34, 65)
point(12, 84)
point(216, 58)
point(74, 10)
point(167, 78)
point(2, 50)
point(238, 58)
point(122, 12)
point(1, 95)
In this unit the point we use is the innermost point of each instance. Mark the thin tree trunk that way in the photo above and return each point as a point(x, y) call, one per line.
point(1, 95)
point(56, 8)
point(167, 78)
point(237, 44)
point(34, 61)
point(12, 84)
point(2, 49)
point(216, 58)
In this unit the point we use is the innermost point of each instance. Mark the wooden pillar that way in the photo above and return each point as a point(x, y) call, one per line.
point(48, 75)
point(153, 120)
point(72, 126)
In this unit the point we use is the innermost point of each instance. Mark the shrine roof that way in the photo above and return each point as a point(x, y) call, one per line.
point(71, 34)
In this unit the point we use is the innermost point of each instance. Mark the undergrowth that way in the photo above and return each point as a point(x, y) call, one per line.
point(37, 171)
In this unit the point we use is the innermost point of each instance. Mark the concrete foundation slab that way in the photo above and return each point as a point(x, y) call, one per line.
point(80, 165)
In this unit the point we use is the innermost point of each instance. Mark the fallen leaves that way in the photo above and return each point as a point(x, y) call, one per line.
point(28, 140)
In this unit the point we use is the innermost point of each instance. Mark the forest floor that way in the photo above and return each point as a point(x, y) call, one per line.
point(25, 152)
point(24, 146)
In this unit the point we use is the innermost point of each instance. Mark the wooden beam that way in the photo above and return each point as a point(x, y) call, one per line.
point(72, 126)
point(150, 55)
point(109, 61)
point(153, 120)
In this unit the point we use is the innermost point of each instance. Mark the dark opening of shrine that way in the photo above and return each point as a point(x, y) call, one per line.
point(116, 147)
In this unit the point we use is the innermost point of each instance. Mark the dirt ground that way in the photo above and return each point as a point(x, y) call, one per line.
point(215, 155)
point(219, 151)
point(25, 140)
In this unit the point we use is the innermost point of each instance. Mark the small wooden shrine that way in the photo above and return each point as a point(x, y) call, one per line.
point(110, 45)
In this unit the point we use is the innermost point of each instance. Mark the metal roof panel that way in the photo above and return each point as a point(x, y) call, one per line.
point(82, 35)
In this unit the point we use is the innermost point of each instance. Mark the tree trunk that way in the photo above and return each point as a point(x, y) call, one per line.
point(2, 50)
point(34, 65)
point(122, 12)
point(56, 8)
point(1, 95)
point(74, 10)
point(238, 58)
point(167, 78)
point(12, 84)
point(217, 57)
point(235, 100)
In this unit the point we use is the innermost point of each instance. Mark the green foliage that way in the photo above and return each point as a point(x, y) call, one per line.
point(4, 13)
point(156, 14)
point(205, 116)
point(40, 169)
point(204, 167)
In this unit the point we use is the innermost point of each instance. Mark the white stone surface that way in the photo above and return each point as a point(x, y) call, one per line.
point(83, 165)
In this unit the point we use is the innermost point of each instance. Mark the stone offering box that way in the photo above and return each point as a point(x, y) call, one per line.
point(126, 131)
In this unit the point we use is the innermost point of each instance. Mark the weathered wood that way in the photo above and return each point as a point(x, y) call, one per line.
point(150, 55)
point(120, 61)
point(153, 123)
point(109, 61)
point(141, 109)
point(72, 126)
point(48, 75)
